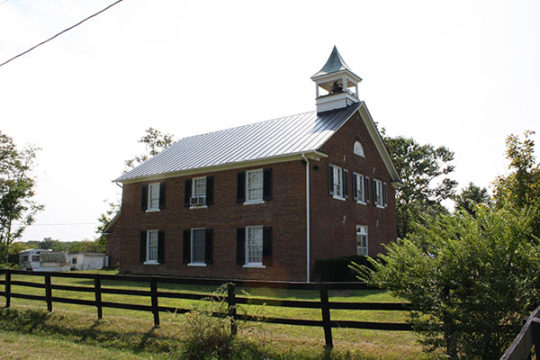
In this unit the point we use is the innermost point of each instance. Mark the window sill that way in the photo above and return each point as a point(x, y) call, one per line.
point(152, 210)
point(253, 202)
point(254, 266)
point(361, 202)
point(192, 207)
point(380, 206)
point(197, 264)
point(338, 197)
point(150, 263)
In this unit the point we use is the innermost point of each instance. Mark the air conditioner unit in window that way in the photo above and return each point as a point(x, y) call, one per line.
point(198, 201)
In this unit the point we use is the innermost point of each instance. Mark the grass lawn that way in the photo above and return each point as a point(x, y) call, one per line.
point(131, 332)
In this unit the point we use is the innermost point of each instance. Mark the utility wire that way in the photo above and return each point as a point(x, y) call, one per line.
point(60, 33)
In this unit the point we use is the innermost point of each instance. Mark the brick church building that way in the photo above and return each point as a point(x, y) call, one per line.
point(265, 200)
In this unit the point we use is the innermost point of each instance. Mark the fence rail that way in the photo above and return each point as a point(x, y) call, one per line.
point(231, 298)
point(529, 335)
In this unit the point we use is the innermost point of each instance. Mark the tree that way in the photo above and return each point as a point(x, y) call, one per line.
point(154, 141)
point(424, 170)
point(521, 188)
point(472, 196)
point(17, 209)
point(470, 279)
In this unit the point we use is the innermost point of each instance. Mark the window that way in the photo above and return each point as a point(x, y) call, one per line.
point(35, 257)
point(361, 240)
point(338, 182)
point(153, 196)
point(151, 246)
point(358, 149)
point(198, 240)
point(254, 245)
point(74, 261)
point(199, 192)
point(254, 185)
point(197, 247)
point(359, 188)
point(24, 258)
point(379, 193)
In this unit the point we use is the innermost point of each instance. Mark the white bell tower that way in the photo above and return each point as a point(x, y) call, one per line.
point(334, 84)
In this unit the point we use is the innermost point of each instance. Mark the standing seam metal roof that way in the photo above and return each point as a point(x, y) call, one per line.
point(293, 134)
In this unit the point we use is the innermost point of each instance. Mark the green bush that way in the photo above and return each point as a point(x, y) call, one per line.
point(338, 269)
point(470, 279)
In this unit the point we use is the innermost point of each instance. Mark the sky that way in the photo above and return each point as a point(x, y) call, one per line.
point(463, 74)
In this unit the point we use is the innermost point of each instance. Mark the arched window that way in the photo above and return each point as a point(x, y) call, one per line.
point(358, 149)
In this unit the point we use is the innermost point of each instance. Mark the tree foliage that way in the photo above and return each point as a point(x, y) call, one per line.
point(17, 208)
point(470, 279)
point(154, 141)
point(424, 171)
point(67, 246)
point(472, 196)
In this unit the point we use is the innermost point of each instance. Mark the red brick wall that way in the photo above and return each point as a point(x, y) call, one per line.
point(333, 222)
point(285, 213)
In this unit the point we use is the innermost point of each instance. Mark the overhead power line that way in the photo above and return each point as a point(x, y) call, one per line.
point(60, 33)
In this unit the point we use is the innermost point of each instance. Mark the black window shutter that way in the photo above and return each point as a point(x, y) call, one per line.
point(355, 186)
point(267, 184)
point(267, 245)
point(374, 191)
point(345, 184)
point(208, 247)
point(209, 190)
point(385, 195)
point(162, 188)
point(142, 249)
point(241, 187)
point(144, 197)
point(240, 246)
point(330, 180)
point(187, 192)
point(161, 246)
point(186, 256)
point(366, 189)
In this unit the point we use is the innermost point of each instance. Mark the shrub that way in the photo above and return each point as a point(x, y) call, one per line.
point(338, 269)
point(470, 279)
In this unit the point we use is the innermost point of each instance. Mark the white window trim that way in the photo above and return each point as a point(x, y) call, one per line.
point(149, 199)
point(254, 201)
point(380, 199)
point(339, 169)
point(361, 153)
point(191, 247)
point(359, 229)
point(151, 262)
point(258, 265)
point(193, 192)
point(360, 183)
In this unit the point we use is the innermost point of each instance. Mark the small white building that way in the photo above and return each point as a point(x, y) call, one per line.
point(88, 261)
point(43, 260)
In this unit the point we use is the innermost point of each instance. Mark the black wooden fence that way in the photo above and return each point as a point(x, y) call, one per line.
point(529, 335)
point(232, 299)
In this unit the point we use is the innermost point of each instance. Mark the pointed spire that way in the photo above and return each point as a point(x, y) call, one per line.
point(334, 64)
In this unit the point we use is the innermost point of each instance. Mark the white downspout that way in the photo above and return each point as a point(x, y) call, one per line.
point(308, 235)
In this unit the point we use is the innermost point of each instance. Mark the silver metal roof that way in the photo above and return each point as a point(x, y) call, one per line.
point(275, 138)
point(334, 64)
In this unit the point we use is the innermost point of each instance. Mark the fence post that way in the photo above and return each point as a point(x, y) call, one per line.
point(48, 292)
point(153, 294)
point(97, 290)
point(327, 326)
point(231, 301)
point(8, 288)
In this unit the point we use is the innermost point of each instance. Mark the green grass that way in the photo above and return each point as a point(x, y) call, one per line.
point(135, 327)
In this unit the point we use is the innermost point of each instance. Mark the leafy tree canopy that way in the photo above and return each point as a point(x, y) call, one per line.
point(17, 208)
point(424, 171)
point(472, 196)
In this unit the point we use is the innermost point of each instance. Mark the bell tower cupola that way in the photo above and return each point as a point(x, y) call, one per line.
point(336, 85)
